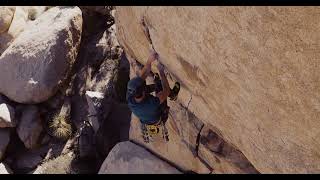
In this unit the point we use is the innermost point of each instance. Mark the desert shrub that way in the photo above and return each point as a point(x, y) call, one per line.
point(61, 127)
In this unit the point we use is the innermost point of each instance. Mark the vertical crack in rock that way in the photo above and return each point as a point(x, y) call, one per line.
point(198, 141)
point(189, 103)
point(197, 151)
point(221, 150)
point(146, 31)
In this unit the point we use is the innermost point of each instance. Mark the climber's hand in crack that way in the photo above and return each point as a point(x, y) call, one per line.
point(153, 56)
point(163, 95)
point(147, 68)
point(160, 66)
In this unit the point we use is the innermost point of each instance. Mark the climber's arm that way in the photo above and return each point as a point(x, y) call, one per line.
point(163, 95)
point(147, 68)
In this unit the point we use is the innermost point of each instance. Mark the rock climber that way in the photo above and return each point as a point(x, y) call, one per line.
point(152, 111)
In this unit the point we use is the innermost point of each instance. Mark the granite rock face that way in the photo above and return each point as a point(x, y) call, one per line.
point(40, 58)
point(128, 158)
point(251, 72)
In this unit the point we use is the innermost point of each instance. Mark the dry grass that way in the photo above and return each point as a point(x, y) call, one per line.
point(59, 165)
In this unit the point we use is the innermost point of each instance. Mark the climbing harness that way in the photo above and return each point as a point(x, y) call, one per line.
point(153, 129)
point(150, 131)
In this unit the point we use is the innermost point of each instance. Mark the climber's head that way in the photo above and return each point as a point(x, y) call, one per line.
point(136, 87)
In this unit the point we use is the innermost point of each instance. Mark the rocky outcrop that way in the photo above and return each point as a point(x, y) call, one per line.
point(41, 61)
point(4, 141)
point(40, 64)
point(251, 72)
point(98, 109)
point(7, 116)
point(21, 15)
point(30, 126)
point(128, 158)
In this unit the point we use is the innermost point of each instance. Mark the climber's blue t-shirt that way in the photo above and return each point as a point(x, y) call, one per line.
point(148, 110)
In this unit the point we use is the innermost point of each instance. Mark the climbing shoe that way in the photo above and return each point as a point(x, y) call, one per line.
point(165, 133)
point(174, 92)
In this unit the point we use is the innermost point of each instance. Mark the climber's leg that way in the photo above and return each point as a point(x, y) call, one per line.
point(150, 88)
point(174, 92)
point(165, 133)
point(164, 112)
point(164, 108)
point(144, 132)
point(156, 87)
point(158, 84)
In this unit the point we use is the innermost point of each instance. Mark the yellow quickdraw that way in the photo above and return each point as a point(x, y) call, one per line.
point(152, 129)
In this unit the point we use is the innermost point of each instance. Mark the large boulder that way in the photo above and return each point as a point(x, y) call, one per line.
point(128, 158)
point(19, 21)
point(4, 141)
point(251, 72)
point(30, 126)
point(39, 64)
point(21, 16)
point(7, 116)
point(6, 16)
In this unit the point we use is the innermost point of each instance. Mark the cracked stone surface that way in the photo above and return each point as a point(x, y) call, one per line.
point(253, 73)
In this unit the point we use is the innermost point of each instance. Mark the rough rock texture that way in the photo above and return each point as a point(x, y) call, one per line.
point(128, 158)
point(4, 169)
point(22, 15)
point(252, 72)
point(100, 69)
point(18, 22)
point(183, 128)
point(39, 64)
point(59, 165)
point(6, 16)
point(7, 118)
point(30, 126)
point(95, 65)
point(176, 150)
point(221, 156)
point(4, 141)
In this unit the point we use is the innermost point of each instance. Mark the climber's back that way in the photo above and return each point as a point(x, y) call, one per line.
point(144, 105)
